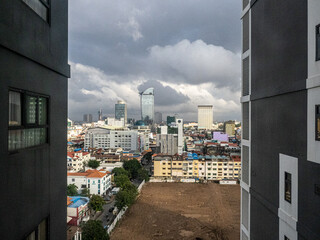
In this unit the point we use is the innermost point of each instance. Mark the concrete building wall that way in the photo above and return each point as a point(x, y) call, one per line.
point(33, 57)
point(283, 82)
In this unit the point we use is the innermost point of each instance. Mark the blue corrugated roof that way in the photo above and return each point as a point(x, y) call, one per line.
point(77, 201)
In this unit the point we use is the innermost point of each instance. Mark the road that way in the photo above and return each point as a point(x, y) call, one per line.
point(107, 217)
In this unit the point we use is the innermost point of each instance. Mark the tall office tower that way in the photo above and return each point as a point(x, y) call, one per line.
point(147, 105)
point(281, 120)
point(33, 72)
point(171, 119)
point(121, 111)
point(205, 116)
point(87, 118)
point(100, 115)
point(179, 123)
point(158, 117)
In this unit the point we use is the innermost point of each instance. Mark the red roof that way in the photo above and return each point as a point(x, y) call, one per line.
point(236, 158)
point(89, 174)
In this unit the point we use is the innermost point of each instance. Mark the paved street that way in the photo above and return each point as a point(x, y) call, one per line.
point(107, 217)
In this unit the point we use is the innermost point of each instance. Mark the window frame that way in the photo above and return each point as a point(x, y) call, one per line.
point(24, 124)
point(317, 116)
point(36, 229)
point(287, 181)
point(47, 5)
point(317, 57)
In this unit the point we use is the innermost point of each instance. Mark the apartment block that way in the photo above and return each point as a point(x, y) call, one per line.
point(167, 143)
point(98, 182)
point(281, 124)
point(77, 160)
point(197, 167)
point(105, 138)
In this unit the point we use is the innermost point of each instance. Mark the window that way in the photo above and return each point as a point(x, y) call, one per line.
point(40, 233)
point(83, 186)
point(318, 42)
point(28, 120)
point(286, 238)
point(287, 185)
point(41, 7)
point(317, 123)
point(72, 179)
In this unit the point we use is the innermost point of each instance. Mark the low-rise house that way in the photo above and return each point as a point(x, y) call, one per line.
point(98, 182)
point(77, 210)
point(77, 160)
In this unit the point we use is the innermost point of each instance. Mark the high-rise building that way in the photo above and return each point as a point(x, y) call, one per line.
point(158, 117)
point(100, 115)
point(205, 116)
point(179, 123)
point(121, 111)
point(87, 118)
point(147, 105)
point(167, 143)
point(171, 119)
point(33, 72)
point(280, 181)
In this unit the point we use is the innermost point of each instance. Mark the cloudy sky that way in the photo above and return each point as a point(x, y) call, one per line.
point(188, 50)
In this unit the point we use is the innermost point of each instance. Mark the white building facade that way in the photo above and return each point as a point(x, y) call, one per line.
point(205, 116)
point(105, 138)
point(98, 182)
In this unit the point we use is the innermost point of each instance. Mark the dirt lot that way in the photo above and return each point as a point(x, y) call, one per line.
point(183, 211)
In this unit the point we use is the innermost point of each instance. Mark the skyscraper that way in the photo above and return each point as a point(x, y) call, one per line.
point(158, 117)
point(121, 110)
point(87, 118)
point(280, 182)
point(34, 75)
point(100, 115)
point(205, 116)
point(147, 105)
point(171, 119)
point(179, 123)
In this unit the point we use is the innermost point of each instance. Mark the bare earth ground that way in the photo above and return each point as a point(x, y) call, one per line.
point(183, 211)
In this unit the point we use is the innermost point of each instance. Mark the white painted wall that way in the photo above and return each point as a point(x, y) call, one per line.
point(288, 212)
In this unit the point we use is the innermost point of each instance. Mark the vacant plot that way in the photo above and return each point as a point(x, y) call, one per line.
point(183, 211)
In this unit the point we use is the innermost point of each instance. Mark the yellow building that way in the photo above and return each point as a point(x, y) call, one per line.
point(229, 128)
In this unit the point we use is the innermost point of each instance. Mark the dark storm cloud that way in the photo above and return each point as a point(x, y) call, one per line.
point(164, 95)
point(116, 47)
point(115, 35)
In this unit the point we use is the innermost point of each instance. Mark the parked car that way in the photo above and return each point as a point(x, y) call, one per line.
point(111, 209)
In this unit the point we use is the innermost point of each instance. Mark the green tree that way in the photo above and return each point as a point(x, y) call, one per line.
point(93, 164)
point(126, 196)
point(96, 202)
point(120, 180)
point(72, 190)
point(132, 166)
point(120, 171)
point(143, 174)
point(93, 230)
point(85, 192)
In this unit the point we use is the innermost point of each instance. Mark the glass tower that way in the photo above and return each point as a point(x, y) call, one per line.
point(147, 105)
point(121, 110)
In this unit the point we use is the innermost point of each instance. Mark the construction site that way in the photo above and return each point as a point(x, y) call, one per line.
point(199, 211)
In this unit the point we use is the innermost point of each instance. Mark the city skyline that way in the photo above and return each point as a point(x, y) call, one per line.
point(162, 59)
